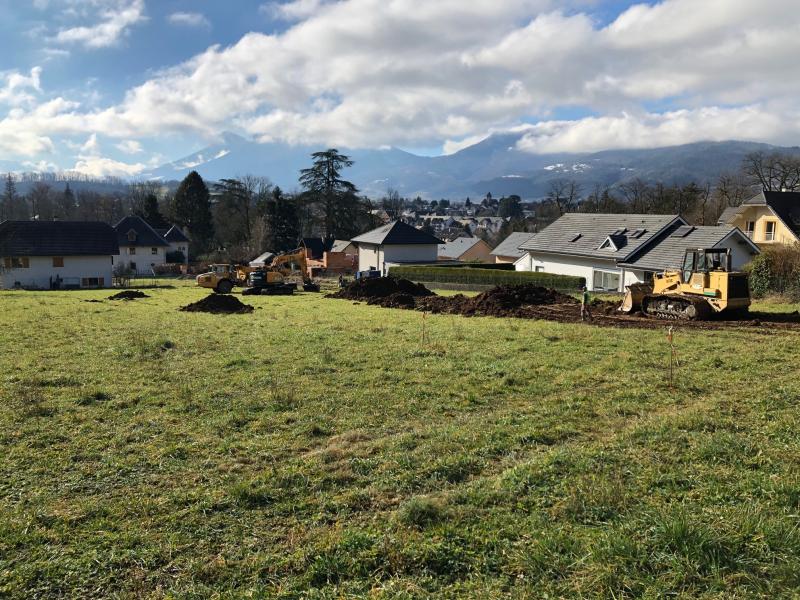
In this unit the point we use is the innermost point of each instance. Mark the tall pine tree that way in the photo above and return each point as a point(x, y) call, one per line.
point(192, 209)
point(152, 214)
point(334, 197)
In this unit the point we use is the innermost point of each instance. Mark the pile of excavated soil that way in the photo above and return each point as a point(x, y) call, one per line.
point(381, 287)
point(128, 295)
point(220, 304)
point(532, 302)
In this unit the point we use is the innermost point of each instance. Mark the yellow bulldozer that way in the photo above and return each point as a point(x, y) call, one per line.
point(267, 280)
point(704, 286)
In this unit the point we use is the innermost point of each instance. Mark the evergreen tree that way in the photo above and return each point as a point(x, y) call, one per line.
point(152, 214)
point(510, 207)
point(192, 209)
point(334, 197)
point(9, 207)
point(66, 204)
point(283, 222)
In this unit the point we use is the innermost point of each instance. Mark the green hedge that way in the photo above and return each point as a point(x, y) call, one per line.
point(484, 266)
point(469, 275)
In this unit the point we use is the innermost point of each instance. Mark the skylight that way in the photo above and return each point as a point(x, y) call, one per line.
point(638, 233)
point(576, 237)
point(682, 231)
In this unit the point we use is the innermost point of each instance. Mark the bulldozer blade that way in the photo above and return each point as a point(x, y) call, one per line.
point(634, 295)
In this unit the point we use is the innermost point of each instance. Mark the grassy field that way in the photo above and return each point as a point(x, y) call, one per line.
point(317, 449)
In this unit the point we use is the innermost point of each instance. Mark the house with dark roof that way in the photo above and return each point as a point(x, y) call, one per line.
point(508, 251)
point(56, 254)
point(395, 243)
point(178, 243)
point(141, 248)
point(613, 251)
point(466, 249)
point(767, 218)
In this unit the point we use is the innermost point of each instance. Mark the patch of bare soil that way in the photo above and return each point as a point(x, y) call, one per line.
point(128, 295)
point(219, 304)
point(532, 302)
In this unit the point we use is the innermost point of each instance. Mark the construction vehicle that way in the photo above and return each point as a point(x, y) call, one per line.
point(223, 278)
point(704, 286)
point(267, 280)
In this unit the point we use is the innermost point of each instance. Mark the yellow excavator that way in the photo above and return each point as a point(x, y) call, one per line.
point(267, 280)
point(704, 286)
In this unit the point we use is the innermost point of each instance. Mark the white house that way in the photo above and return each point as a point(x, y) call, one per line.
point(56, 254)
point(613, 251)
point(395, 243)
point(141, 248)
point(178, 242)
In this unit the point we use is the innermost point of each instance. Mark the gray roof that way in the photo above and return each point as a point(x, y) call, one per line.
point(175, 236)
point(727, 215)
point(457, 247)
point(396, 233)
point(144, 234)
point(581, 234)
point(57, 238)
point(510, 245)
point(668, 252)
point(340, 245)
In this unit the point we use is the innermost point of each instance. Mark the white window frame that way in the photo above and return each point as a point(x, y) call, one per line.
point(750, 229)
point(605, 272)
point(769, 236)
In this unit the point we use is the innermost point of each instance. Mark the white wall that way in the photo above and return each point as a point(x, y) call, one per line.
point(740, 253)
point(377, 256)
point(143, 258)
point(41, 270)
point(575, 266)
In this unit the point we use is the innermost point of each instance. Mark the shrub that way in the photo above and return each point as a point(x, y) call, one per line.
point(776, 271)
point(176, 256)
point(480, 276)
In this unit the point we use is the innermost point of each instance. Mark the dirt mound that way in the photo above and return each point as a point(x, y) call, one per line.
point(500, 301)
point(128, 295)
point(382, 287)
point(219, 304)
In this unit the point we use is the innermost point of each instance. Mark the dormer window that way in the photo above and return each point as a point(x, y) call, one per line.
point(132, 235)
point(609, 244)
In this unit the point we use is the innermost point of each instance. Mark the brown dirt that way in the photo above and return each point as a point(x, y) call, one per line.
point(219, 304)
point(128, 295)
point(532, 302)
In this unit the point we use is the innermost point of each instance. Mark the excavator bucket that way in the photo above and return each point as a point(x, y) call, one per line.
point(634, 295)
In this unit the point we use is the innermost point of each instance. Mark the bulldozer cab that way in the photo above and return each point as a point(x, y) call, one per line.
point(698, 263)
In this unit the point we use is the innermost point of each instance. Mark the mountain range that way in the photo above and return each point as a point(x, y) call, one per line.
point(493, 165)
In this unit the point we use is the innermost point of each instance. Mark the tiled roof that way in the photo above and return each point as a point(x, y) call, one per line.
point(510, 245)
point(396, 233)
point(144, 235)
point(582, 234)
point(457, 247)
point(668, 252)
point(57, 238)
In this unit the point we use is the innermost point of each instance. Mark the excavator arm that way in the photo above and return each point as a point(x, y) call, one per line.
point(283, 264)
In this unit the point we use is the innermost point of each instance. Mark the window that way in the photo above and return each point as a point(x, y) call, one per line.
point(540, 269)
point(131, 250)
point(605, 281)
point(750, 229)
point(133, 266)
point(154, 251)
point(92, 282)
point(58, 261)
point(131, 236)
point(22, 262)
point(769, 231)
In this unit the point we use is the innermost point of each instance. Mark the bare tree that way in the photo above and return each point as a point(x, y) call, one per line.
point(772, 172)
point(564, 194)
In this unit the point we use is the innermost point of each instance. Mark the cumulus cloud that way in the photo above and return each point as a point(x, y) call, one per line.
point(116, 19)
point(130, 147)
point(99, 167)
point(18, 87)
point(366, 73)
point(189, 19)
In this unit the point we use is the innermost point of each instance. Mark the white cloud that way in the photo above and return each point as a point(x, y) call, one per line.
point(130, 147)
point(294, 10)
point(18, 87)
point(366, 73)
point(116, 19)
point(650, 130)
point(189, 19)
point(91, 147)
point(99, 167)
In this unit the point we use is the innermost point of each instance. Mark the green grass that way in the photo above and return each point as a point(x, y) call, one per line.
point(317, 449)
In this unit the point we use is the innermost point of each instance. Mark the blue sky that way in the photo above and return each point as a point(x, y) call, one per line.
point(117, 87)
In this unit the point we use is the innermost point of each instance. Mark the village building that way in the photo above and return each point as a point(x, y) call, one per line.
point(466, 249)
point(508, 251)
point(141, 248)
point(613, 251)
point(178, 244)
point(395, 243)
point(768, 218)
point(46, 255)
